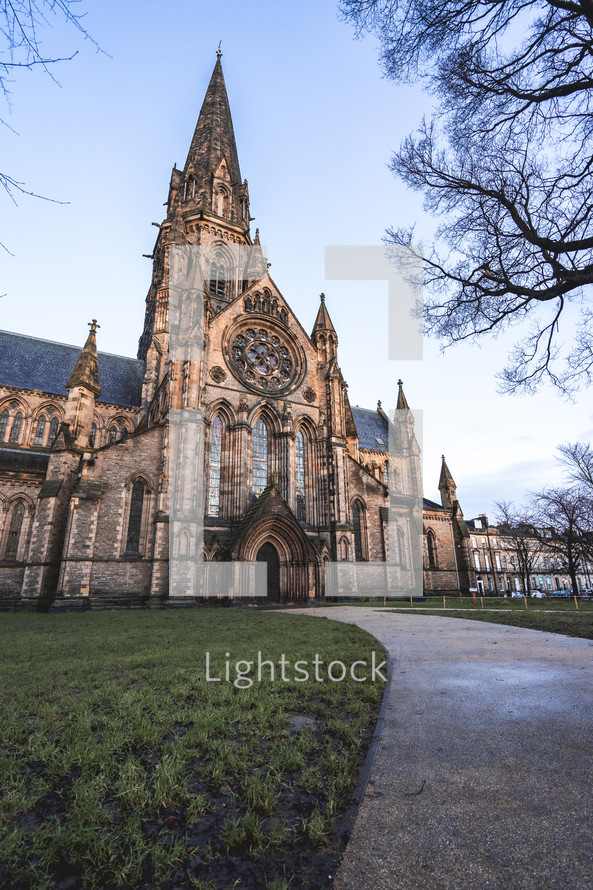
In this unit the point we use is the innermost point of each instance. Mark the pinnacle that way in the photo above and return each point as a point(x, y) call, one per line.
point(86, 370)
point(402, 402)
point(323, 322)
point(446, 479)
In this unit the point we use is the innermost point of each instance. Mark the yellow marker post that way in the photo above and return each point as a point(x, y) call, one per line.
point(482, 601)
point(576, 602)
point(444, 603)
point(525, 598)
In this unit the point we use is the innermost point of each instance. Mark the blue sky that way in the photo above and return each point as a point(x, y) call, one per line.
point(315, 125)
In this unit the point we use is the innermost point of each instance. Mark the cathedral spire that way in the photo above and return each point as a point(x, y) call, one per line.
point(211, 179)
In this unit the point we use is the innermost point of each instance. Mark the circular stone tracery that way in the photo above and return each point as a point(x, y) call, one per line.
point(263, 359)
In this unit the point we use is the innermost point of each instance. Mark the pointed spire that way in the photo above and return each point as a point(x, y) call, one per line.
point(212, 155)
point(447, 486)
point(256, 264)
point(402, 402)
point(446, 479)
point(323, 322)
point(86, 370)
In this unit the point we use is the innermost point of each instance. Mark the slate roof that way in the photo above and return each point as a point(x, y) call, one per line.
point(371, 428)
point(432, 505)
point(32, 363)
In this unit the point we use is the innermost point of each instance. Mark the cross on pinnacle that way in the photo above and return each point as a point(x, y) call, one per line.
point(93, 326)
point(219, 51)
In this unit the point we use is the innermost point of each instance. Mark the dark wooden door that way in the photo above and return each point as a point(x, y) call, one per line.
point(267, 553)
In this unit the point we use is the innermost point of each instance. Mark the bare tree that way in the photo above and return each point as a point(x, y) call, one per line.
point(507, 165)
point(520, 538)
point(577, 457)
point(563, 519)
point(21, 25)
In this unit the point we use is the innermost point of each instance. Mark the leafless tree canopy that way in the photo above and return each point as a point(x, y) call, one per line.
point(577, 458)
point(515, 525)
point(22, 23)
point(563, 521)
point(507, 164)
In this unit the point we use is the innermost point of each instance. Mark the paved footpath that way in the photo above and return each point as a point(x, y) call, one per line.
point(484, 774)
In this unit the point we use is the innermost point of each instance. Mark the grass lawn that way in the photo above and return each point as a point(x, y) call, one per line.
point(553, 615)
point(122, 766)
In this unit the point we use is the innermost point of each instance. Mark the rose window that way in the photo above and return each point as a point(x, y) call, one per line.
point(262, 359)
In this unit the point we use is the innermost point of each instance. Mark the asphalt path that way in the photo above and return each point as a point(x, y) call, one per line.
point(483, 777)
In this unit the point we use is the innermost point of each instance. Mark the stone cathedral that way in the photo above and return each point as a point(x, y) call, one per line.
point(293, 475)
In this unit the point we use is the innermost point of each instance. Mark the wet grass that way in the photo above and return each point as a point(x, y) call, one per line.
point(550, 614)
point(122, 766)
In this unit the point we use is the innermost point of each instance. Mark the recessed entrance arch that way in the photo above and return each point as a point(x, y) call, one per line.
point(277, 540)
point(267, 553)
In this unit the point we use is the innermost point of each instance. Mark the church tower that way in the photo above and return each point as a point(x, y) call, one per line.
point(208, 205)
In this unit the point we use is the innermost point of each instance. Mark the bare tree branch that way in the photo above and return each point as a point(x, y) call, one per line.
point(21, 25)
point(506, 165)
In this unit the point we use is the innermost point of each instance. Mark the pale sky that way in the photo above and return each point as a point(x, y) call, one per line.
point(315, 125)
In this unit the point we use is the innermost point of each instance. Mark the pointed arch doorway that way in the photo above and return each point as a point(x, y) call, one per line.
point(267, 553)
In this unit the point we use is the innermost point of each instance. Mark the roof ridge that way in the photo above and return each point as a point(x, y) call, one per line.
point(70, 345)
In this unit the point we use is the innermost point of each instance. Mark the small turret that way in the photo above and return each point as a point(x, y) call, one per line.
point(402, 402)
point(324, 334)
point(83, 389)
point(447, 486)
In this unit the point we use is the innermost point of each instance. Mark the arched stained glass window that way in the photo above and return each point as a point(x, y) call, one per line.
point(135, 518)
point(16, 427)
point(432, 549)
point(14, 531)
point(300, 475)
point(3, 425)
point(113, 434)
point(93, 436)
point(39, 432)
point(215, 465)
point(260, 457)
point(53, 429)
point(344, 550)
point(357, 527)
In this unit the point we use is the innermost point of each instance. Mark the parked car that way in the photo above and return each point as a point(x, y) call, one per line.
point(537, 594)
point(516, 594)
point(562, 593)
point(586, 594)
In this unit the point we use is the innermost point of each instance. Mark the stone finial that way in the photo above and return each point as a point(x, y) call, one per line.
point(219, 51)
